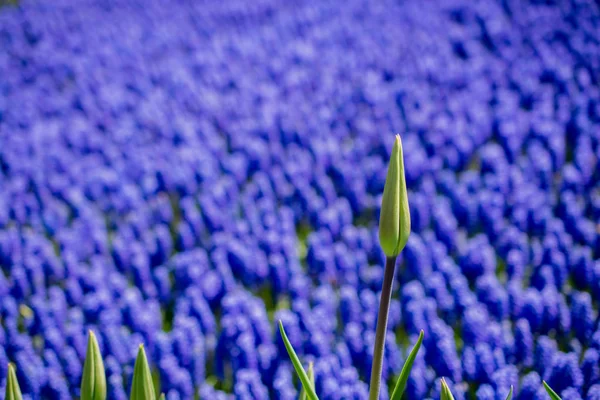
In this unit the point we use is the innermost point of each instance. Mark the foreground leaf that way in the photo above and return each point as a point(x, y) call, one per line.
point(446, 394)
point(510, 394)
point(93, 382)
point(311, 378)
point(408, 364)
point(551, 392)
point(304, 379)
point(13, 391)
point(142, 386)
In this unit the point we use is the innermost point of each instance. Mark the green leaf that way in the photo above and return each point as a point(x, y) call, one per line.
point(306, 384)
point(509, 397)
point(551, 392)
point(311, 378)
point(142, 387)
point(446, 394)
point(162, 396)
point(408, 364)
point(93, 381)
point(13, 391)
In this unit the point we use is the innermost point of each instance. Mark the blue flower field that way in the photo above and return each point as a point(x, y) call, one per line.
point(185, 174)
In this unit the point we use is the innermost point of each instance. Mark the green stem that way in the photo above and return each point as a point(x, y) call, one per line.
point(382, 318)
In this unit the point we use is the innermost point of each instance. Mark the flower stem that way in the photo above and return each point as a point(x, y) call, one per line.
point(382, 318)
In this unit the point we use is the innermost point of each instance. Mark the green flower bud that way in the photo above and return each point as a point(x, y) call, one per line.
point(142, 387)
point(93, 382)
point(446, 394)
point(13, 391)
point(394, 220)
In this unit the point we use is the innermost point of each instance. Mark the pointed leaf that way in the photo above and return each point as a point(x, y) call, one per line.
point(13, 391)
point(93, 381)
point(310, 392)
point(510, 394)
point(551, 392)
point(142, 386)
point(446, 394)
point(311, 378)
point(403, 379)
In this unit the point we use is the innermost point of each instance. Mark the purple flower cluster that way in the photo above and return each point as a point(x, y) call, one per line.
point(183, 174)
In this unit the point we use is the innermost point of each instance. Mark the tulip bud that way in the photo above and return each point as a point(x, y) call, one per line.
point(394, 220)
point(93, 382)
point(142, 386)
point(13, 391)
point(446, 394)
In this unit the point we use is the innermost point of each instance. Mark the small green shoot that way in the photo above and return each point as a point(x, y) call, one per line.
point(408, 364)
point(304, 379)
point(142, 386)
point(13, 391)
point(510, 394)
point(311, 378)
point(551, 392)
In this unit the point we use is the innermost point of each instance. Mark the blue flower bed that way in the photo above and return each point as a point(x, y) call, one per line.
point(183, 174)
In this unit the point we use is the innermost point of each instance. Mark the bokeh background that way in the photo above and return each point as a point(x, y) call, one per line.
point(185, 173)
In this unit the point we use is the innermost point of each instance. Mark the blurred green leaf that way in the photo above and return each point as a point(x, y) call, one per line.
point(93, 381)
point(142, 387)
point(408, 364)
point(551, 392)
point(13, 391)
point(446, 394)
point(510, 394)
point(306, 384)
point(311, 378)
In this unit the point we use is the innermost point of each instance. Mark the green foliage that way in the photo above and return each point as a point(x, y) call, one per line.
point(551, 392)
point(304, 379)
point(446, 394)
point(13, 391)
point(93, 384)
point(403, 379)
point(509, 397)
point(311, 378)
point(142, 386)
point(93, 381)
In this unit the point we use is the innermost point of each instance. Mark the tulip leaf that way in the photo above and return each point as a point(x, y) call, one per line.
point(446, 394)
point(510, 394)
point(551, 392)
point(311, 378)
point(142, 386)
point(408, 364)
point(13, 391)
point(93, 381)
point(304, 379)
